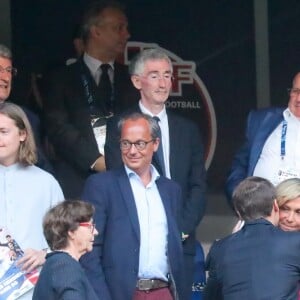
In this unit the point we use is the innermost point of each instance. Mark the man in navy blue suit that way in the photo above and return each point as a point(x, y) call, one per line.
point(271, 147)
point(260, 261)
point(138, 253)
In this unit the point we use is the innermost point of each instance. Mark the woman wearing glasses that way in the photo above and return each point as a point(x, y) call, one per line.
point(69, 231)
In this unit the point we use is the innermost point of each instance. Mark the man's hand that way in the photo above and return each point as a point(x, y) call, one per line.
point(99, 165)
point(31, 260)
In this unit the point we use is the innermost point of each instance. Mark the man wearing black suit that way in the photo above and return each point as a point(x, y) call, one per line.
point(182, 159)
point(260, 261)
point(81, 97)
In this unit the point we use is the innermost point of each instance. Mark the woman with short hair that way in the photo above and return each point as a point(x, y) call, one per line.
point(288, 199)
point(69, 231)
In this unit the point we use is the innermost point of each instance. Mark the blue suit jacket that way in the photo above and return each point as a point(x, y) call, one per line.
point(186, 167)
point(260, 125)
point(112, 266)
point(258, 262)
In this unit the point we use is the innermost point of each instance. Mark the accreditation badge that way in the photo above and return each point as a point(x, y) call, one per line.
point(99, 129)
point(286, 173)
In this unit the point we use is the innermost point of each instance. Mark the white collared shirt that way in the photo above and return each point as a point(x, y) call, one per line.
point(153, 261)
point(270, 163)
point(94, 66)
point(164, 128)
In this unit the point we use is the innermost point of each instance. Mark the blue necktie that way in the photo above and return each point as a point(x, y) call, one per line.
point(160, 153)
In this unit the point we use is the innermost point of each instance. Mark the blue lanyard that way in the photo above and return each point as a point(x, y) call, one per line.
point(283, 139)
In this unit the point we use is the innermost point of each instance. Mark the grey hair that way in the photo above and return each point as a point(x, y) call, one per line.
point(153, 125)
point(137, 64)
point(5, 52)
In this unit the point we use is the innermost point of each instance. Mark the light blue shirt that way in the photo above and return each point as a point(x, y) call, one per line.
point(153, 262)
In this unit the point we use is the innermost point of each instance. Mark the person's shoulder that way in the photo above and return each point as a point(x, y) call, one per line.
point(41, 175)
point(264, 111)
point(121, 68)
point(102, 177)
point(184, 121)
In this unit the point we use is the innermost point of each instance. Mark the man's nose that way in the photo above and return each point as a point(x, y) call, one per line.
point(132, 149)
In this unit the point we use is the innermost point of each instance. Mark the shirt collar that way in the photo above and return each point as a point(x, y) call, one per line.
point(288, 115)
point(162, 114)
point(154, 173)
point(93, 63)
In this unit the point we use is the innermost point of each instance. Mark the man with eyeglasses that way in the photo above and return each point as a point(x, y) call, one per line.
point(138, 253)
point(271, 149)
point(181, 157)
point(7, 72)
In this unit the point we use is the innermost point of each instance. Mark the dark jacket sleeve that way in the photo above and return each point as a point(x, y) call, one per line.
point(112, 151)
point(195, 202)
point(92, 261)
point(67, 119)
point(240, 164)
point(213, 288)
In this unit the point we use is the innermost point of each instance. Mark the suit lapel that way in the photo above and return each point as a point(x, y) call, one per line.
point(165, 197)
point(174, 142)
point(127, 195)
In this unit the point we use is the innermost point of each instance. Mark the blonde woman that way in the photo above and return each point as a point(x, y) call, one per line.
point(288, 199)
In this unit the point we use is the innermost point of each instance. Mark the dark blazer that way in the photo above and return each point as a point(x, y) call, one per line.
point(258, 262)
point(186, 168)
point(68, 124)
point(260, 125)
point(112, 266)
point(62, 278)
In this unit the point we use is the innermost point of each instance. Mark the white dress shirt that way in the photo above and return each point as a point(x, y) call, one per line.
point(271, 165)
point(94, 66)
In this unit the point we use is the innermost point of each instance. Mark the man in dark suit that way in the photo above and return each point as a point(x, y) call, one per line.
point(80, 98)
point(270, 149)
point(260, 261)
point(182, 159)
point(138, 253)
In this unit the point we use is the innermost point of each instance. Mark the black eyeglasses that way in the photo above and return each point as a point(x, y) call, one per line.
point(293, 91)
point(140, 145)
point(11, 70)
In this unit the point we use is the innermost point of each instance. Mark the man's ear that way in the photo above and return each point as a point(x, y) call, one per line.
point(156, 144)
point(136, 81)
point(95, 31)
